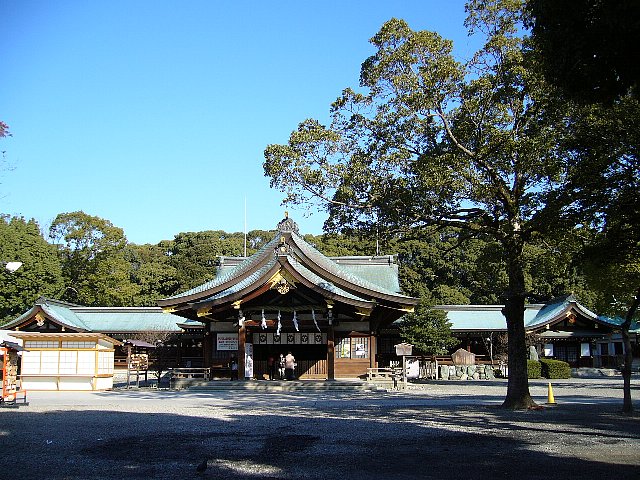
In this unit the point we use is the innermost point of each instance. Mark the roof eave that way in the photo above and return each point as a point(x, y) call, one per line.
point(345, 284)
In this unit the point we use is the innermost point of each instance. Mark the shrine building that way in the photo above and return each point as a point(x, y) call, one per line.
point(288, 297)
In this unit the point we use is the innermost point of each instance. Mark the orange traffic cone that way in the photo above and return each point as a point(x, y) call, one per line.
point(550, 399)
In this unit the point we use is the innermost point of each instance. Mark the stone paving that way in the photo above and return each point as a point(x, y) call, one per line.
point(440, 429)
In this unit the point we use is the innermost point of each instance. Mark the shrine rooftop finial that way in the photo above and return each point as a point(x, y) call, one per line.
point(287, 225)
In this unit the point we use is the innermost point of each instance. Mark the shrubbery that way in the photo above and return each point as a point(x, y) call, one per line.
point(555, 368)
point(534, 369)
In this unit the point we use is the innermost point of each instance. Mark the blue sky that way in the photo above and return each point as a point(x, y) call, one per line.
point(155, 114)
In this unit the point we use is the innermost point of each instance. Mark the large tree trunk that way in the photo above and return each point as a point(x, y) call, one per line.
point(627, 404)
point(518, 396)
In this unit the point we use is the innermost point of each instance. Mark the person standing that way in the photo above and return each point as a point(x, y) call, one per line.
point(289, 366)
point(271, 367)
point(281, 364)
point(233, 365)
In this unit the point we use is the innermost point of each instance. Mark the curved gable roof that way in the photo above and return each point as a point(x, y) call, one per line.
point(56, 311)
point(343, 278)
point(226, 279)
point(308, 264)
point(558, 309)
point(100, 319)
point(490, 317)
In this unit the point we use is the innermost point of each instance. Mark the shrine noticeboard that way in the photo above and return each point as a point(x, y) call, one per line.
point(403, 349)
point(227, 341)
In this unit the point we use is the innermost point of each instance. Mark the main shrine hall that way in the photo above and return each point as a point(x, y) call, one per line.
point(289, 297)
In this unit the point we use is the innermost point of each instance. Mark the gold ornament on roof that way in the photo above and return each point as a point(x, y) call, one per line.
point(282, 282)
point(283, 287)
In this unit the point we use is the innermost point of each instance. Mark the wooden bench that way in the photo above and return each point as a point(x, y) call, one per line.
point(183, 377)
point(383, 373)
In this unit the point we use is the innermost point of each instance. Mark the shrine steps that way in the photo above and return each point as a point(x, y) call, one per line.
point(310, 386)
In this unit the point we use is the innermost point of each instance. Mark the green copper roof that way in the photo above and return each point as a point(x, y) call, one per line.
point(363, 279)
point(348, 273)
point(103, 319)
point(490, 317)
point(226, 275)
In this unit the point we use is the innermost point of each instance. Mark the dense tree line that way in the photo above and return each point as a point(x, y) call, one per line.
point(87, 260)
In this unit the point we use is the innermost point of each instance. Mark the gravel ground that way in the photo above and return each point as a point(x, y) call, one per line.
point(434, 430)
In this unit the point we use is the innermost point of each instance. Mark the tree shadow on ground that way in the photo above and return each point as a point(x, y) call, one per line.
point(298, 438)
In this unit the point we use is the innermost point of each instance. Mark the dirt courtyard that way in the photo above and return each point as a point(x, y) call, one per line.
point(438, 430)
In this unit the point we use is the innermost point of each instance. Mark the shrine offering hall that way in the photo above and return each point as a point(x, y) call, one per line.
point(288, 297)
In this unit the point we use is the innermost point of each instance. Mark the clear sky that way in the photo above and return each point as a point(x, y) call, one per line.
point(154, 114)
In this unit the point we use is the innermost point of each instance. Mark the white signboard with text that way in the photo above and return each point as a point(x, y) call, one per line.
point(227, 341)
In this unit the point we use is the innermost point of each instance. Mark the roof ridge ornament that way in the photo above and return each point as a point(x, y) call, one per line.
point(287, 225)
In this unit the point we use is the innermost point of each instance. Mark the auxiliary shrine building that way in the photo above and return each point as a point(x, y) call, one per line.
point(288, 297)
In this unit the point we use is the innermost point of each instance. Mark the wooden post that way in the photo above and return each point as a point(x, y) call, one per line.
point(373, 349)
point(242, 338)
point(331, 354)
point(404, 372)
point(207, 349)
point(128, 364)
point(179, 352)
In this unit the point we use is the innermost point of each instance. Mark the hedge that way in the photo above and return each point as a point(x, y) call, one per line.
point(534, 369)
point(555, 368)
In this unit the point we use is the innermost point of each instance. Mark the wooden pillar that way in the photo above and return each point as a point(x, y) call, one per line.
point(179, 351)
point(331, 354)
point(207, 348)
point(242, 338)
point(373, 351)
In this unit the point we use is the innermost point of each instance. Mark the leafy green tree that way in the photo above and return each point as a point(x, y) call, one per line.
point(40, 273)
point(614, 258)
point(194, 255)
point(433, 141)
point(428, 331)
point(603, 142)
point(337, 245)
point(553, 267)
point(256, 239)
point(93, 264)
point(587, 49)
point(151, 271)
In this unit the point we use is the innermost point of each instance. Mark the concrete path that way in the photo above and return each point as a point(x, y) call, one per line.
point(436, 430)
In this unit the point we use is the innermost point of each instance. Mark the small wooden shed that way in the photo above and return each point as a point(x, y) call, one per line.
point(66, 361)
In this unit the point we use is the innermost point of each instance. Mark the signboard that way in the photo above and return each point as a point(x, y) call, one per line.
point(403, 349)
point(139, 361)
point(248, 360)
point(227, 341)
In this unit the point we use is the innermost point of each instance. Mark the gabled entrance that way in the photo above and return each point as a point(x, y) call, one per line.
point(290, 297)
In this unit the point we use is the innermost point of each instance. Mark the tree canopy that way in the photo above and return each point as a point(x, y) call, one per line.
point(40, 273)
point(587, 49)
point(432, 140)
point(94, 268)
